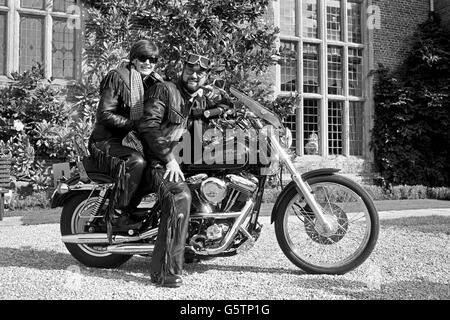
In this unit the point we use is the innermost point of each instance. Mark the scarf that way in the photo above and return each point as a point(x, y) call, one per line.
point(137, 94)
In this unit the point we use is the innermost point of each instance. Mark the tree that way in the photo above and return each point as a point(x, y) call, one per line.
point(233, 33)
point(411, 136)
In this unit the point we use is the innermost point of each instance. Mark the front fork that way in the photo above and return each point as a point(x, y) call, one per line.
point(302, 186)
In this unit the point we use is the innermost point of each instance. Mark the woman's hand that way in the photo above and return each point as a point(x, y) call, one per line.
point(173, 171)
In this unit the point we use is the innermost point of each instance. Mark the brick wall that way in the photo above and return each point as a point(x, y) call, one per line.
point(399, 20)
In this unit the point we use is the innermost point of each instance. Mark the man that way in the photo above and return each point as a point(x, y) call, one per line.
point(166, 111)
point(120, 107)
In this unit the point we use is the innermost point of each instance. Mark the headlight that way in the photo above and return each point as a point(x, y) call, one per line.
point(62, 188)
point(286, 139)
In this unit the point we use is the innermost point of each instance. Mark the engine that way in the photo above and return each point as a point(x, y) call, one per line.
point(215, 203)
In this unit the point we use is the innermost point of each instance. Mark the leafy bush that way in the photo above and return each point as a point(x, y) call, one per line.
point(401, 192)
point(38, 200)
point(411, 134)
point(232, 33)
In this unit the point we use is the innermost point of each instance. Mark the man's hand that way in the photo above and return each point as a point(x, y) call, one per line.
point(212, 93)
point(173, 171)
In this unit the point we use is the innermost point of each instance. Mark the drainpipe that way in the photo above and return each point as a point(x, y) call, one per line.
point(431, 5)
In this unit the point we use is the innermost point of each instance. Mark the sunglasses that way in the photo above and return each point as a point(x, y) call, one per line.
point(145, 58)
point(194, 59)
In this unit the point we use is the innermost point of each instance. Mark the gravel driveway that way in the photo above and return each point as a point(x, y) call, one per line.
point(410, 261)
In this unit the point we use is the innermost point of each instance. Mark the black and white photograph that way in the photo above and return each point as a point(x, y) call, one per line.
point(224, 158)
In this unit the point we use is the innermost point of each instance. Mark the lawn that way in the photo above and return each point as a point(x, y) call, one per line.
point(42, 216)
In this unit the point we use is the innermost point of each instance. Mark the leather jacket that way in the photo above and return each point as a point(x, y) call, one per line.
point(113, 112)
point(166, 111)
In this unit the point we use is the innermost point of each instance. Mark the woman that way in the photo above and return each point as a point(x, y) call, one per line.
point(120, 107)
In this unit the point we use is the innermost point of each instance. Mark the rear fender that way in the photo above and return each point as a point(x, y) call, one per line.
point(58, 199)
point(305, 177)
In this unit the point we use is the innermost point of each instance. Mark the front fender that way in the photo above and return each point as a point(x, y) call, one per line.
point(58, 200)
point(305, 177)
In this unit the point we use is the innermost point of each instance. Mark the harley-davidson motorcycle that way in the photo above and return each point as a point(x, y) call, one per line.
point(324, 222)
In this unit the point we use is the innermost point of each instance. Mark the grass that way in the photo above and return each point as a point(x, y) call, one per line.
point(43, 216)
point(393, 205)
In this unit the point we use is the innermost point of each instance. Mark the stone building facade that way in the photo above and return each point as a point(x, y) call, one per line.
point(443, 8)
point(328, 50)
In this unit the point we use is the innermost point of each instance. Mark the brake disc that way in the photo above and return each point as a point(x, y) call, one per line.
point(340, 226)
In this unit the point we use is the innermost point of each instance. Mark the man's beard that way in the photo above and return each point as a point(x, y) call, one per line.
point(191, 88)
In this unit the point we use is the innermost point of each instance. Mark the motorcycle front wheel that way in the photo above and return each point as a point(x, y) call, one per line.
point(75, 215)
point(313, 248)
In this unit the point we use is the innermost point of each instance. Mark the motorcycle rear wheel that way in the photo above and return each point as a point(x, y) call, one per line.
point(73, 221)
point(355, 226)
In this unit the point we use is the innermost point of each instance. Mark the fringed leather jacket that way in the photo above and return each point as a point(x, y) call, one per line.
point(113, 112)
point(166, 110)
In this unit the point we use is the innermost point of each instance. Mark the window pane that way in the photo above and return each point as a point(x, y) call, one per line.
point(32, 4)
point(291, 123)
point(334, 20)
point(311, 126)
point(62, 5)
point(356, 128)
point(2, 43)
point(335, 127)
point(335, 70)
point(287, 17)
point(355, 72)
point(63, 50)
point(31, 48)
point(288, 66)
point(311, 68)
point(310, 29)
point(354, 22)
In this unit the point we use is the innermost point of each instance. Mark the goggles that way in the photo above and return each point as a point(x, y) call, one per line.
point(202, 61)
point(145, 58)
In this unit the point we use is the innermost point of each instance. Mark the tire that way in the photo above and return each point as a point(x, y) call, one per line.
point(343, 201)
point(89, 255)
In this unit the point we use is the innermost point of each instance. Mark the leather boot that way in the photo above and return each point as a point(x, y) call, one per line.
point(169, 280)
point(124, 222)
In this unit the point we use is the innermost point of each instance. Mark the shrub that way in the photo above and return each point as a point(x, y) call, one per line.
point(37, 200)
point(411, 134)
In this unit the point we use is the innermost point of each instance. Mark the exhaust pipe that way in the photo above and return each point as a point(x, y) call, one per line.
point(102, 238)
point(132, 248)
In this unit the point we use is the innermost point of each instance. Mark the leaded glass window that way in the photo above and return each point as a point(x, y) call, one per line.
point(335, 122)
point(334, 20)
point(311, 126)
point(335, 83)
point(310, 19)
point(324, 61)
point(356, 128)
point(48, 33)
point(311, 68)
point(355, 71)
point(31, 39)
point(288, 66)
point(287, 13)
point(354, 21)
point(63, 50)
point(62, 5)
point(2, 44)
point(32, 4)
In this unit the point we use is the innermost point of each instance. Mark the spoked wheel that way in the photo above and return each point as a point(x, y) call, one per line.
point(316, 249)
point(74, 219)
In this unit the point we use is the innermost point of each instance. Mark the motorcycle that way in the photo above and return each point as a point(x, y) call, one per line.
point(324, 222)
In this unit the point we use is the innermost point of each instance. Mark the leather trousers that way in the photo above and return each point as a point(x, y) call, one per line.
point(135, 165)
point(175, 200)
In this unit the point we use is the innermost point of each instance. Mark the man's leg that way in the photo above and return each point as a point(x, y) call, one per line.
point(168, 255)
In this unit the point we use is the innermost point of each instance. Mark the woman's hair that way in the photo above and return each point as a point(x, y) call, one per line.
point(143, 48)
